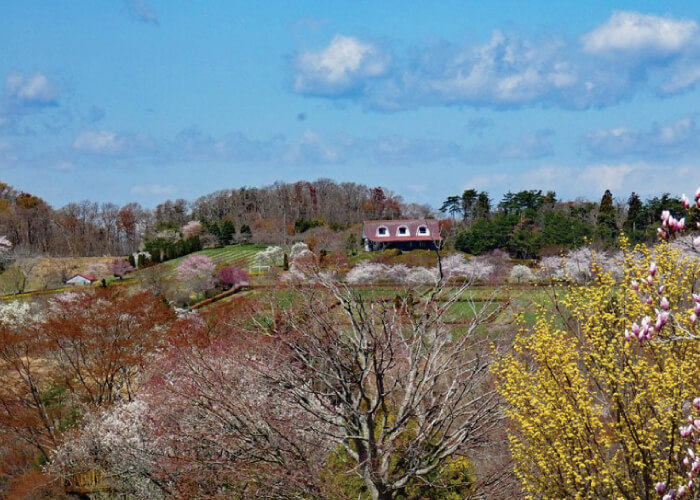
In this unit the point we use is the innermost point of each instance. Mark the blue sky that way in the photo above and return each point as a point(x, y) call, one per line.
point(143, 100)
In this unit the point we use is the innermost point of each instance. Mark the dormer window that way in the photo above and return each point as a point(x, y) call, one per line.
point(402, 231)
point(382, 231)
point(423, 230)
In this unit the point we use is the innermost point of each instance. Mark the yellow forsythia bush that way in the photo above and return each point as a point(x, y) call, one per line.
point(594, 412)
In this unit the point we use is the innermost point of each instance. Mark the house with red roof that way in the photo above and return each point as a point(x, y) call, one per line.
point(81, 279)
point(404, 234)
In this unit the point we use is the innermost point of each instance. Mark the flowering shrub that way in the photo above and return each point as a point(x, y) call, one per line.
point(594, 415)
point(597, 397)
point(690, 434)
point(231, 276)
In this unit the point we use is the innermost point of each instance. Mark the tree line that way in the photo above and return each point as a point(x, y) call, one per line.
point(264, 214)
point(533, 223)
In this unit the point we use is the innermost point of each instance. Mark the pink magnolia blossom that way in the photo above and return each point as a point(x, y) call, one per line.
point(685, 202)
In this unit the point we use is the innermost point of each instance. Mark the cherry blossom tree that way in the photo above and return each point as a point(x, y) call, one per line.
point(197, 271)
point(457, 266)
point(521, 274)
point(271, 256)
point(5, 252)
point(120, 268)
point(366, 272)
point(192, 228)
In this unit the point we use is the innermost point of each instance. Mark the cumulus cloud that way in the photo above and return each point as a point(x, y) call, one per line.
point(627, 53)
point(140, 10)
point(344, 65)
point(676, 139)
point(32, 89)
point(635, 32)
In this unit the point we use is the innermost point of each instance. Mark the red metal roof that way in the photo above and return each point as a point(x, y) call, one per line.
point(370, 230)
point(86, 276)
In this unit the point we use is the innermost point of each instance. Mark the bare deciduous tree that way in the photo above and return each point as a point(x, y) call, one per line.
point(402, 393)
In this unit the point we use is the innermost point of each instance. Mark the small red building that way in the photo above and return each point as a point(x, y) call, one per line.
point(81, 279)
point(404, 234)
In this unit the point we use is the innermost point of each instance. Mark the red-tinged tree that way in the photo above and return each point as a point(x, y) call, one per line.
point(89, 350)
point(232, 276)
point(120, 268)
point(207, 425)
point(102, 340)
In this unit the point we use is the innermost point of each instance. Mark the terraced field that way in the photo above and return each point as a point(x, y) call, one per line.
point(232, 255)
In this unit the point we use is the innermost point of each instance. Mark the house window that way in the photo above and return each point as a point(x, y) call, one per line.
point(382, 231)
point(422, 230)
point(402, 231)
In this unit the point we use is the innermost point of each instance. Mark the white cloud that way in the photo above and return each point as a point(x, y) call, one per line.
point(634, 32)
point(339, 67)
point(675, 139)
point(34, 89)
point(98, 141)
point(628, 53)
point(591, 180)
point(142, 11)
point(602, 177)
point(153, 190)
point(104, 142)
point(685, 75)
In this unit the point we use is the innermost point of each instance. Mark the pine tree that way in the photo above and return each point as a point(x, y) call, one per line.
point(607, 225)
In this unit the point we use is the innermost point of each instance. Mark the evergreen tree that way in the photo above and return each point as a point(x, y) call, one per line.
point(452, 205)
point(245, 233)
point(227, 232)
point(482, 207)
point(607, 229)
point(469, 197)
point(634, 224)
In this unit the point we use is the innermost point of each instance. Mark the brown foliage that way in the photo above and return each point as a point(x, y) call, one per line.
point(88, 350)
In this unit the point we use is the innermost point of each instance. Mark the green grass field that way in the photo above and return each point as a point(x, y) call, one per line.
point(232, 255)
